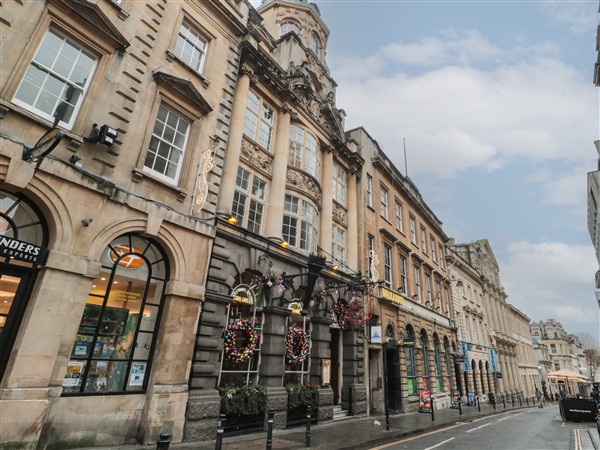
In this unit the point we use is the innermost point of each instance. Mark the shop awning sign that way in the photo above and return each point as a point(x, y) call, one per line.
point(22, 251)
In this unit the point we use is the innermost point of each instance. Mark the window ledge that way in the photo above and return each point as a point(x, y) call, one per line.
point(138, 175)
point(171, 57)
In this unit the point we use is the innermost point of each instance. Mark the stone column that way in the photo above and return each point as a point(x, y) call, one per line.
point(278, 183)
point(320, 340)
point(354, 390)
point(326, 216)
point(272, 365)
point(234, 143)
point(352, 241)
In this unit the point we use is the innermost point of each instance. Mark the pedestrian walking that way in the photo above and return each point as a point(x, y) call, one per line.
point(540, 397)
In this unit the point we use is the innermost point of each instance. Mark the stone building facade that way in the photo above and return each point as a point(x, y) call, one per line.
point(529, 375)
point(106, 240)
point(404, 250)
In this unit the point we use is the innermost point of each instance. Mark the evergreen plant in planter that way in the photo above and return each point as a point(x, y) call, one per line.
point(301, 396)
point(244, 407)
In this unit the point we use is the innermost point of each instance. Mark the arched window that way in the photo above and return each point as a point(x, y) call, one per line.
point(117, 333)
point(439, 385)
point(315, 44)
point(289, 26)
point(425, 352)
point(300, 223)
point(304, 151)
point(242, 335)
point(411, 369)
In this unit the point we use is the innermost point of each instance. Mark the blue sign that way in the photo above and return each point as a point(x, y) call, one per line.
point(464, 350)
point(494, 361)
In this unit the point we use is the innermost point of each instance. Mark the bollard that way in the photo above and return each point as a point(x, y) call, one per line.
point(387, 416)
point(220, 431)
point(270, 416)
point(478, 404)
point(504, 402)
point(308, 414)
point(432, 413)
point(520, 401)
point(164, 442)
point(494, 404)
point(512, 398)
point(527, 400)
point(459, 408)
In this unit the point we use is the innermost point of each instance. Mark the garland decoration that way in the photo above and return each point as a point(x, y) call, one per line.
point(236, 331)
point(296, 345)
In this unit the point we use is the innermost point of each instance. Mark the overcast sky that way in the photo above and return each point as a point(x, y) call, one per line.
point(496, 103)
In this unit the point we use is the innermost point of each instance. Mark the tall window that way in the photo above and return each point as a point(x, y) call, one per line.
point(338, 243)
point(248, 200)
point(117, 333)
point(383, 194)
point(403, 280)
point(371, 247)
point(242, 373)
point(428, 289)
point(423, 240)
point(439, 385)
point(304, 151)
point(167, 145)
point(315, 44)
point(437, 300)
point(387, 257)
point(289, 26)
point(418, 283)
point(369, 191)
point(442, 257)
point(425, 352)
point(258, 121)
point(433, 252)
point(191, 47)
point(411, 368)
point(399, 225)
point(300, 223)
point(413, 230)
point(57, 79)
point(339, 184)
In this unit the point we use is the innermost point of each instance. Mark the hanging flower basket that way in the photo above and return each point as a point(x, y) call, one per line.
point(355, 312)
point(240, 330)
point(296, 345)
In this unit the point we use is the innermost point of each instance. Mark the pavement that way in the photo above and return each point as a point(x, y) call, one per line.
point(358, 432)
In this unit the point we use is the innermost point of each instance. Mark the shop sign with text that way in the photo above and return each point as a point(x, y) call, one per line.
point(22, 251)
point(390, 295)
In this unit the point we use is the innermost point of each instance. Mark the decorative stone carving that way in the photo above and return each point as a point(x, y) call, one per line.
point(339, 214)
point(257, 157)
point(304, 183)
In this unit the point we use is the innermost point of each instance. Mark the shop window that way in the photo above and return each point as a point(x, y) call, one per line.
point(411, 368)
point(167, 145)
point(191, 47)
point(304, 151)
point(248, 200)
point(258, 120)
point(57, 79)
point(117, 333)
point(298, 343)
point(242, 335)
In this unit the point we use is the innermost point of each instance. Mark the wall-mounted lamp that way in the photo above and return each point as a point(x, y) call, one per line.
point(103, 135)
point(336, 267)
point(86, 222)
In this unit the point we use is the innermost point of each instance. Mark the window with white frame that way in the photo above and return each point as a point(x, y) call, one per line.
point(556, 365)
point(289, 26)
point(399, 225)
point(339, 184)
point(413, 230)
point(437, 300)
point(403, 279)
point(258, 121)
point(167, 145)
point(369, 191)
point(300, 223)
point(428, 289)
point(418, 283)
point(442, 258)
point(433, 252)
point(57, 79)
point(191, 47)
point(383, 195)
point(423, 240)
point(387, 264)
point(338, 243)
point(249, 200)
point(304, 150)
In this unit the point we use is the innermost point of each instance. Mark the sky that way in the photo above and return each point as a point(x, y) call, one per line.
point(495, 103)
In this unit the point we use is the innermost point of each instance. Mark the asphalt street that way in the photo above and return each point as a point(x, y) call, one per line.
point(526, 429)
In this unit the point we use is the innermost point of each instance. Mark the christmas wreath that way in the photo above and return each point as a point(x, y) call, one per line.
point(235, 331)
point(296, 345)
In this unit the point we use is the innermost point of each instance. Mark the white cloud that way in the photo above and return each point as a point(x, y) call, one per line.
point(552, 280)
point(576, 14)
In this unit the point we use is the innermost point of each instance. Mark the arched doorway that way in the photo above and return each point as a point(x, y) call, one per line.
point(23, 241)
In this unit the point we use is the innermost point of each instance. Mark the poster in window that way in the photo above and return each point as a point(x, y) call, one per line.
point(424, 400)
point(325, 372)
point(138, 371)
point(73, 374)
